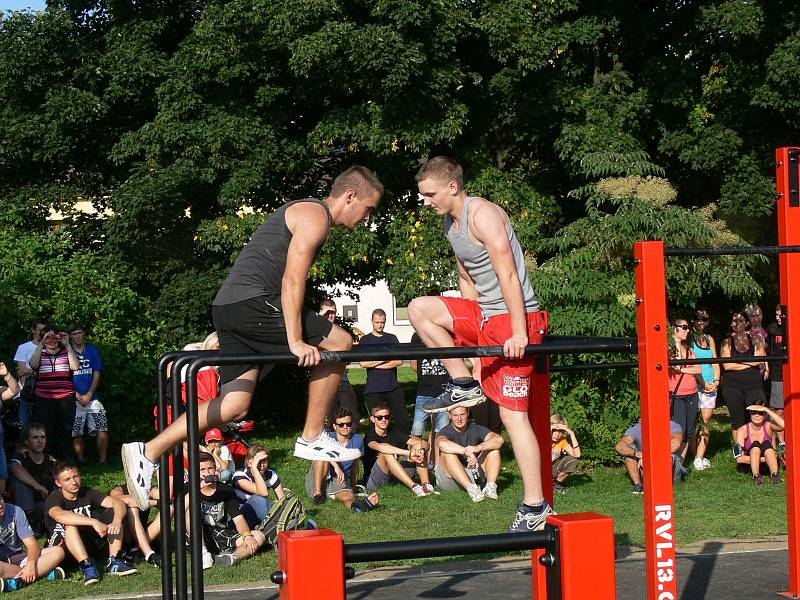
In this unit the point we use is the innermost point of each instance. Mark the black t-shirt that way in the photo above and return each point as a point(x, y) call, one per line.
point(396, 437)
point(777, 346)
point(380, 380)
point(220, 507)
point(42, 473)
point(472, 436)
point(87, 503)
point(431, 374)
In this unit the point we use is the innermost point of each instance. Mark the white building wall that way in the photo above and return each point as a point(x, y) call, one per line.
point(370, 298)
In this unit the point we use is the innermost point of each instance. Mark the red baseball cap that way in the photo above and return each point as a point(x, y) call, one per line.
point(214, 434)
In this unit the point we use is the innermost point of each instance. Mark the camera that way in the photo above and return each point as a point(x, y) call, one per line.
point(212, 479)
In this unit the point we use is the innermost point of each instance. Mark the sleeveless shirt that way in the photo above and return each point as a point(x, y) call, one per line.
point(745, 379)
point(478, 264)
point(708, 370)
point(259, 269)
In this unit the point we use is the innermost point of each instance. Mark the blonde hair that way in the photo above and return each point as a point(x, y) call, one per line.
point(443, 169)
point(359, 178)
point(212, 340)
point(557, 419)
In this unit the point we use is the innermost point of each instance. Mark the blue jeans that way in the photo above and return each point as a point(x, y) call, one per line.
point(24, 412)
point(421, 417)
point(255, 509)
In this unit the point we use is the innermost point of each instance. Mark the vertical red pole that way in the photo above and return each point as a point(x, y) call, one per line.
point(312, 564)
point(539, 416)
point(662, 583)
point(788, 182)
point(586, 556)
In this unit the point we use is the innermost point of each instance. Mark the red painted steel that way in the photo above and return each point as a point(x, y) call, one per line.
point(313, 562)
point(586, 543)
point(652, 330)
point(789, 268)
point(539, 416)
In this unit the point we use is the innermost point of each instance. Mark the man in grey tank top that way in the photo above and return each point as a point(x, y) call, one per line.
point(497, 308)
point(259, 309)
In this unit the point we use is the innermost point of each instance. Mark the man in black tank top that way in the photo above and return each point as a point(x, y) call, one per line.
point(260, 309)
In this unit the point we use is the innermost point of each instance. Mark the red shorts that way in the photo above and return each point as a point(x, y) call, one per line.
point(507, 382)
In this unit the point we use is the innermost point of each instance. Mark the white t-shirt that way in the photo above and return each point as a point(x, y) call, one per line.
point(24, 352)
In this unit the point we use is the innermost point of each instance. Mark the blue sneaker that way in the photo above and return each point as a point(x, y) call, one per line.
point(455, 395)
point(117, 566)
point(12, 584)
point(91, 574)
point(56, 574)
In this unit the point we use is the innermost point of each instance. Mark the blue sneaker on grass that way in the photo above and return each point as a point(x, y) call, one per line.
point(117, 566)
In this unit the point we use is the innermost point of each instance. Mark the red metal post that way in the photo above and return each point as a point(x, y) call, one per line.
point(788, 182)
point(652, 328)
point(539, 416)
point(312, 562)
point(586, 556)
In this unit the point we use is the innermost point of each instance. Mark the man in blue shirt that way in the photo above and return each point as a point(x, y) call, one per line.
point(90, 414)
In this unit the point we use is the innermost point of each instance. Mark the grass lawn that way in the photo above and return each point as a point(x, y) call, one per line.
point(709, 505)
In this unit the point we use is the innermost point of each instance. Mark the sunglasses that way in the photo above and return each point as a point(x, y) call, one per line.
point(345, 424)
point(683, 327)
point(701, 318)
point(381, 417)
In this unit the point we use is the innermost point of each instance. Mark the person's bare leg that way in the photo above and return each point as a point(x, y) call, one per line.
point(75, 545)
point(346, 497)
point(49, 559)
point(230, 405)
point(491, 465)
point(526, 452)
point(78, 447)
point(324, 383)
point(703, 433)
point(454, 469)
point(389, 464)
point(135, 525)
point(243, 552)
point(434, 324)
point(115, 543)
point(632, 467)
point(755, 460)
point(319, 468)
point(772, 460)
point(782, 433)
point(102, 447)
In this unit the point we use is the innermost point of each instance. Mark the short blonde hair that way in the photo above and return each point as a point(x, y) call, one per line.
point(442, 169)
point(359, 178)
point(557, 419)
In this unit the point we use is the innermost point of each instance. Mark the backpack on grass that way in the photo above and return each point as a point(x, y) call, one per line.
point(285, 515)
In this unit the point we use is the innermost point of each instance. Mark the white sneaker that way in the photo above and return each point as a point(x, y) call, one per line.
point(490, 490)
point(324, 448)
point(138, 473)
point(475, 493)
point(698, 464)
point(419, 492)
point(706, 463)
point(208, 559)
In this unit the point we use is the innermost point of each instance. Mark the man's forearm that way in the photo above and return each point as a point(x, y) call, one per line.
point(292, 292)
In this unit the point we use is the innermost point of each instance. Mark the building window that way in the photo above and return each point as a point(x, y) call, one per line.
point(400, 313)
point(350, 313)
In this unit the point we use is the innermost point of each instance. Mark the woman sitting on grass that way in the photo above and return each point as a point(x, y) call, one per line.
point(755, 442)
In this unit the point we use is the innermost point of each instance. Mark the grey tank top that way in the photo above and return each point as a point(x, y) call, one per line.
point(478, 264)
point(259, 269)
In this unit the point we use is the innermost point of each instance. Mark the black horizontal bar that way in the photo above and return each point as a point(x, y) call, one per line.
point(728, 359)
point(593, 366)
point(475, 544)
point(730, 250)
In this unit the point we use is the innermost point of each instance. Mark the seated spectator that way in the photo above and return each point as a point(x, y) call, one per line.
point(338, 481)
point(394, 455)
point(226, 534)
point(222, 455)
point(21, 560)
point(755, 443)
point(90, 414)
point(563, 454)
point(87, 521)
point(469, 455)
point(32, 476)
point(7, 392)
point(432, 378)
point(253, 483)
point(139, 534)
point(629, 448)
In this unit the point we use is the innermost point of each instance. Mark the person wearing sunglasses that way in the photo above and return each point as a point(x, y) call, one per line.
point(742, 383)
point(704, 346)
point(755, 443)
point(683, 398)
point(339, 481)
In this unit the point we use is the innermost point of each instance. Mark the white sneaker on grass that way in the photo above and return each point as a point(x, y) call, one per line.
point(138, 473)
point(208, 559)
point(324, 448)
point(419, 491)
point(475, 493)
point(490, 490)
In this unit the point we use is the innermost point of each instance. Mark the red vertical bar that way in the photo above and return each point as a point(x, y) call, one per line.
point(539, 416)
point(312, 562)
point(786, 159)
point(586, 557)
point(652, 331)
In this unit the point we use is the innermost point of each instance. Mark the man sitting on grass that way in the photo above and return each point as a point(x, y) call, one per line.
point(393, 455)
point(32, 476)
point(629, 448)
point(253, 483)
point(226, 533)
point(88, 522)
point(21, 560)
point(338, 481)
point(469, 454)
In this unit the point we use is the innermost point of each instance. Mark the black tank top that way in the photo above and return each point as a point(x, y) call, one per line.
point(259, 269)
point(744, 379)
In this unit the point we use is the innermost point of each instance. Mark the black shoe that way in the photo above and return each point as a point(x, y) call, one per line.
point(153, 559)
point(319, 499)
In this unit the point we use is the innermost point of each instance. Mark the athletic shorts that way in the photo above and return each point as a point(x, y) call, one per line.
point(89, 419)
point(256, 326)
point(330, 485)
point(378, 478)
point(505, 381)
point(707, 399)
point(446, 483)
point(776, 395)
point(95, 545)
point(19, 559)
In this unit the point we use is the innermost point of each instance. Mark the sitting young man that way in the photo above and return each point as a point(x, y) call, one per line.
point(338, 481)
point(392, 455)
point(139, 533)
point(32, 476)
point(468, 454)
point(21, 560)
point(226, 533)
point(253, 483)
point(88, 522)
point(629, 448)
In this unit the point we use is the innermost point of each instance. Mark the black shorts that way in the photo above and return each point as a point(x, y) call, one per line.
point(220, 540)
point(256, 326)
point(96, 546)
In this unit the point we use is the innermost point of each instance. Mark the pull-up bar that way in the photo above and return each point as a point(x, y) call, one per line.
point(731, 250)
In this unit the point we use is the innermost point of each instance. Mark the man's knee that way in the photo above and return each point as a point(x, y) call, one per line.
point(338, 339)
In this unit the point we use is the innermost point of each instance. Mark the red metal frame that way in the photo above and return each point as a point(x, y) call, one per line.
point(789, 268)
point(652, 327)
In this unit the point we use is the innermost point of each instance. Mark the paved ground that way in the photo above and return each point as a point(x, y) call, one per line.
point(751, 570)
